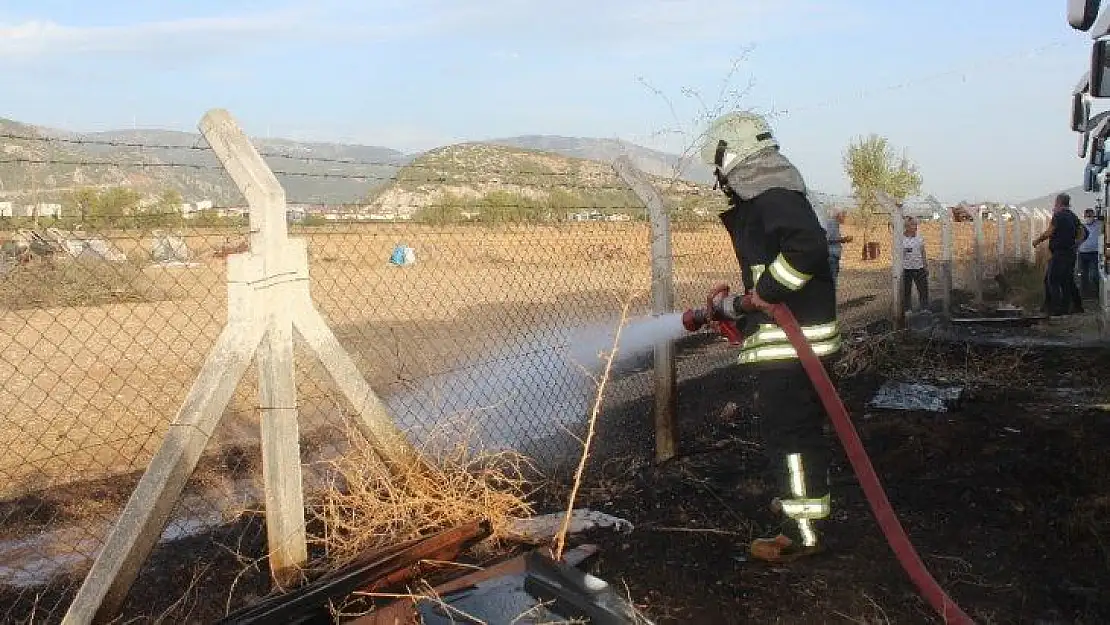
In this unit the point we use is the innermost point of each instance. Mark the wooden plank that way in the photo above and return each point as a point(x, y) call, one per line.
point(662, 303)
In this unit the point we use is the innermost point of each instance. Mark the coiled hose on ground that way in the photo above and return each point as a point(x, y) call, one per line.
point(865, 473)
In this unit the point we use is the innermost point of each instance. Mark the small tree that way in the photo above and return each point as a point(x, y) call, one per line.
point(82, 203)
point(167, 210)
point(872, 165)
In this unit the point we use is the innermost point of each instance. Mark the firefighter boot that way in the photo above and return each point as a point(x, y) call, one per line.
point(797, 537)
point(800, 535)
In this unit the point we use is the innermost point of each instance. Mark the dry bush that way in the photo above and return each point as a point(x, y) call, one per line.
point(366, 507)
point(894, 355)
point(76, 282)
point(866, 354)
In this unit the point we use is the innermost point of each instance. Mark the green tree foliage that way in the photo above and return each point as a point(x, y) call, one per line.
point(113, 205)
point(872, 165)
point(501, 207)
point(117, 202)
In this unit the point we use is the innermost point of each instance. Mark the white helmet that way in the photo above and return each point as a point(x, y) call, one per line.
point(733, 137)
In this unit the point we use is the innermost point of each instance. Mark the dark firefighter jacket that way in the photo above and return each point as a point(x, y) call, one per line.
point(784, 257)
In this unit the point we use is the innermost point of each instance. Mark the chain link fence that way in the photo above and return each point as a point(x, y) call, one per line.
point(474, 287)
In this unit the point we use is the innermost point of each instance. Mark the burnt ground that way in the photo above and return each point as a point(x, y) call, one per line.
point(1005, 498)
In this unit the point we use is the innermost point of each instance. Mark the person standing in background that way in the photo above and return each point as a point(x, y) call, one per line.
point(1064, 234)
point(836, 241)
point(914, 266)
point(1088, 255)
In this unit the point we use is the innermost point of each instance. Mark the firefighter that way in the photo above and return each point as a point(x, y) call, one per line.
point(784, 258)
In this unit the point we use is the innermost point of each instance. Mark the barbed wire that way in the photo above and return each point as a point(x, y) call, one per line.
point(304, 174)
point(400, 164)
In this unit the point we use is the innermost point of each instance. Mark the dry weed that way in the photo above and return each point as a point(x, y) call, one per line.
point(870, 352)
point(76, 282)
point(366, 506)
point(894, 355)
point(591, 426)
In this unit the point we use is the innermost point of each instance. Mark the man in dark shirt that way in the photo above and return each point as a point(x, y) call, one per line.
point(1063, 235)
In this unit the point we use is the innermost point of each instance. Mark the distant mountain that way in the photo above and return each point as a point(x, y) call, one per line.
point(43, 164)
point(46, 163)
point(650, 161)
point(1080, 199)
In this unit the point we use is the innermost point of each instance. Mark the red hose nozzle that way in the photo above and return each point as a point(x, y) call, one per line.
point(694, 319)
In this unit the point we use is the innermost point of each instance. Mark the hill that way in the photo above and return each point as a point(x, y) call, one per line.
point(651, 161)
point(45, 164)
point(496, 182)
point(61, 161)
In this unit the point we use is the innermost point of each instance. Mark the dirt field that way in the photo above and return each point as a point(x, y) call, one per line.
point(1005, 499)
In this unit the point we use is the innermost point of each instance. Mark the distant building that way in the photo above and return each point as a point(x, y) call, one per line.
point(48, 210)
point(7, 209)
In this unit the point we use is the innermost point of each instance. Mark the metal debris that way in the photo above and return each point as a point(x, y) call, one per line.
point(541, 530)
point(906, 396)
point(312, 601)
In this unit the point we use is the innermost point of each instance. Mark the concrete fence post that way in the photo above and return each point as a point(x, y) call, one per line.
point(978, 269)
point(268, 297)
point(662, 303)
point(946, 278)
point(1031, 234)
point(897, 236)
point(1003, 225)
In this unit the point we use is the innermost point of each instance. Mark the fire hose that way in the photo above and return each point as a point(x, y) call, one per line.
point(857, 455)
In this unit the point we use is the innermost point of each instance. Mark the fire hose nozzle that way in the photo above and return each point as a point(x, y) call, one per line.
point(694, 319)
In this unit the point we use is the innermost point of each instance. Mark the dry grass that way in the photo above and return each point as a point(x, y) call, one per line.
point(893, 355)
point(366, 507)
point(76, 282)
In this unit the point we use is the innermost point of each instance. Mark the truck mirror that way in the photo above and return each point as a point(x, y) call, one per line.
point(1100, 69)
point(1082, 13)
point(1080, 112)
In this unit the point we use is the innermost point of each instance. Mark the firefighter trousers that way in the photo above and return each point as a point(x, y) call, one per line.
point(792, 421)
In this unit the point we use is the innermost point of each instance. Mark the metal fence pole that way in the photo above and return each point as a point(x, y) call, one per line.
point(662, 302)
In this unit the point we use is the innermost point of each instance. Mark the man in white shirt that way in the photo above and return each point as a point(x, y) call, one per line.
point(1088, 254)
point(914, 266)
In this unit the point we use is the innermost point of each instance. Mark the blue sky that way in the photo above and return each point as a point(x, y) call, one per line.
point(976, 91)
